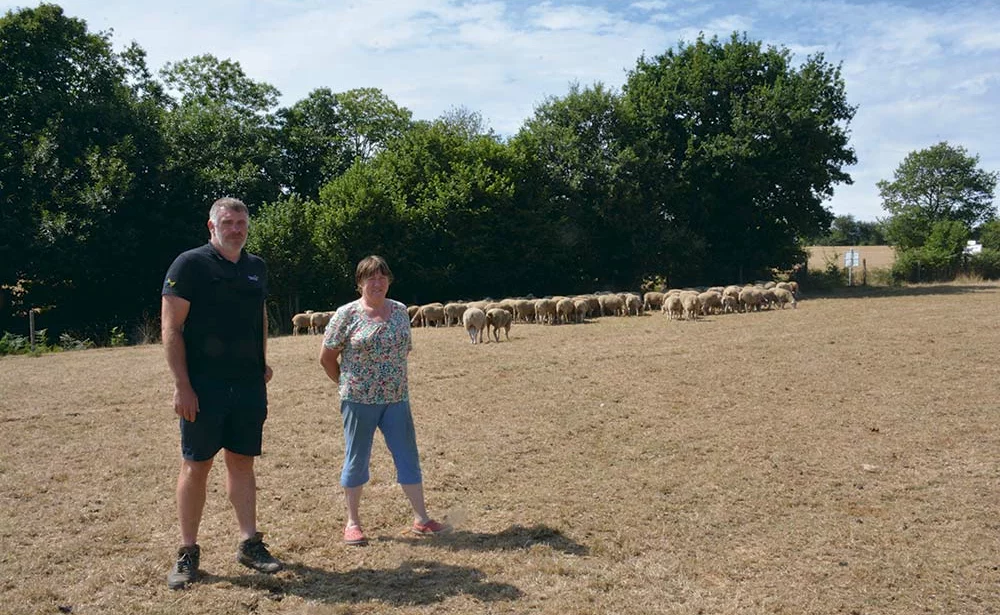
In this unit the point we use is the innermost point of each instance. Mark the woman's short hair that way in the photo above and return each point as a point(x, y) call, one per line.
point(369, 266)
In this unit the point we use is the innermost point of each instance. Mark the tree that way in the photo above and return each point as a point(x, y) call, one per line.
point(80, 160)
point(737, 149)
point(580, 186)
point(370, 120)
point(848, 231)
point(222, 133)
point(314, 143)
point(940, 183)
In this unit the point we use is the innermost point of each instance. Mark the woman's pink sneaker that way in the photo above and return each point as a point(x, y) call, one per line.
point(354, 536)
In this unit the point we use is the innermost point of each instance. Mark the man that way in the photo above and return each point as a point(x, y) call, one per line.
point(215, 337)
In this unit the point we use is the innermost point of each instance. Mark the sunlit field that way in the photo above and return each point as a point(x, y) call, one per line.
point(836, 458)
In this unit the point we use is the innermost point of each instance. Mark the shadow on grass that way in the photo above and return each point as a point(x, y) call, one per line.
point(516, 537)
point(412, 583)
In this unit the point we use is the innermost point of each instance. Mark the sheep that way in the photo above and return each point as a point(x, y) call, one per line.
point(318, 321)
point(730, 304)
point(652, 300)
point(611, 305)
point(453, 313)
point(783, 296)
point(673, 307)
point(691, 303)
point(474, 320)
point(581, 309)
point(496, 319)
point(524, 310)
point(302, 321)
point(411, 311)
point(593, 303)
point(428, 315)
point(632, 304)
point(565, 310)
point(545, 311)
point(751, 298)
point(711, 302)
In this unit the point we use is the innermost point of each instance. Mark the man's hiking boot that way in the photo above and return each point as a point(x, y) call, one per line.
point(185, 569)
point(253, 554)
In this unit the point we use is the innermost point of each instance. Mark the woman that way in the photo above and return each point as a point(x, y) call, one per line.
point(364, 350)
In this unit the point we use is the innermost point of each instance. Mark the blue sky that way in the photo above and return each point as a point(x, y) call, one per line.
point(919, 72)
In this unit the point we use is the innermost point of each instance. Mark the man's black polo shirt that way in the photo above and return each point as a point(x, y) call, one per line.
point(224, 330)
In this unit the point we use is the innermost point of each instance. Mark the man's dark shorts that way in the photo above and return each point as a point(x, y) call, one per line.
point(230, 416)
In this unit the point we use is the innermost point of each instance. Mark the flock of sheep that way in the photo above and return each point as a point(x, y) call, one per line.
point(490, 317)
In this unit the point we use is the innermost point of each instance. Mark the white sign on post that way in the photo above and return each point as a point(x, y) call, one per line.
point(852, 258)
point(973, 247)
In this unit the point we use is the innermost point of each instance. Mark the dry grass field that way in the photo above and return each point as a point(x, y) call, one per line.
point(837, 458)
point(876, 257)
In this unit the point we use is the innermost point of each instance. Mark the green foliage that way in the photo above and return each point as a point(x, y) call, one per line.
point(117, 337)
point(939, 259)
point(848, 231)
point(735, 150)
point(940, 183)
point(986, 264)
point(989, 234)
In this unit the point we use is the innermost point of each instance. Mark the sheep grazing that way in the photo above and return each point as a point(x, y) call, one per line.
point(652, 300)
point(581, 309)
point(566, 310)
point(632, 304)
point(474, 320)
point(318, 321)
point(783, 296)
point(711, 302)
point(496, 319)
point(429, 315)
point(611, 305)
point(691, 303)
point(545, 311)
point(751, 298)
point(453, 313)
point(673, 307)
point(730, 304)
point(524, 310)
point(302, 321)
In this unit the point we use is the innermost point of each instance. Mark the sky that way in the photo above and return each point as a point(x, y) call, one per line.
point(919, 72)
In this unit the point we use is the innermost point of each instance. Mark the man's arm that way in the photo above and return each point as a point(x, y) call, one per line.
point(173, 313)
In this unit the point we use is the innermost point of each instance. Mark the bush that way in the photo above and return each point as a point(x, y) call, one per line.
point(986, 264)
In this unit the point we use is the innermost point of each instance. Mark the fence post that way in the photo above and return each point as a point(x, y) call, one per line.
point(31, 328)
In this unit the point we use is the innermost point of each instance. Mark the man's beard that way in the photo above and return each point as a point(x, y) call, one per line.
point(233, 246)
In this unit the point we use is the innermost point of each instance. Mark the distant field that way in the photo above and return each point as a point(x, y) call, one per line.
point(837, 458)
point(876, 257)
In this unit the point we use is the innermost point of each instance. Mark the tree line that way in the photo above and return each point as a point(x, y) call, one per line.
point(710, 165)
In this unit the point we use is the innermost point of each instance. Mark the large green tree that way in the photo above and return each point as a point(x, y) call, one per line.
point(223, 134)
point(738, 147)
point(581, 186)
point(940, 183)
point(80, 159)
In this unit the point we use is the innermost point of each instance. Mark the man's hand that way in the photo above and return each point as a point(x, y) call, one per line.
point(185, 402)
point(268, 373)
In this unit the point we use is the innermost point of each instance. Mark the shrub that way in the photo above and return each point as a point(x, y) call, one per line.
point(986, 264)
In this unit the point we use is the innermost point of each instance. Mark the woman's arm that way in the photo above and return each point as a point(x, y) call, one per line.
point(329, 358)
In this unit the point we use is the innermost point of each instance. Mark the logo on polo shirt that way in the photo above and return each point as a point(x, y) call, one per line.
point(171, 283)
point(253, 278)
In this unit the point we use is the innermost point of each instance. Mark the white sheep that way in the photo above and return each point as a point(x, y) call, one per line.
point(496, 319)
point(453, 313)
point(652, 300)
point(565, 310)
point(545, 311)
point(711, 302)
point(429, 315)
point(474, 320)
point(673, 307)
point(691, 303)
point(783, 296)
point(302, 321)
point(318, 321)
